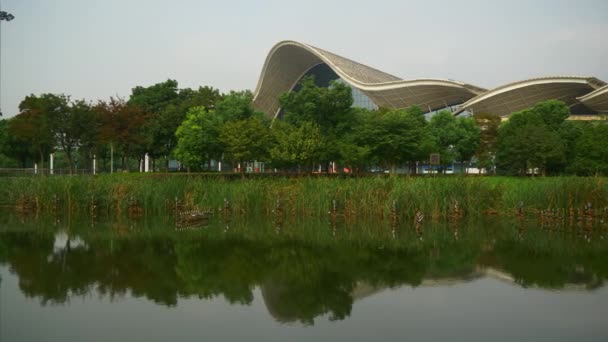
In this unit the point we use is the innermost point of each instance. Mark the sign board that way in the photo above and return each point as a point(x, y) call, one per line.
point(435, 159)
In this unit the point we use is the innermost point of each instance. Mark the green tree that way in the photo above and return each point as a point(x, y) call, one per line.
point(155, 98)
point(295, 146)
point(590, 153)
point(246, 140)
point(206, 96)
point(530, 139)
point(445, 132)
point(553, 113)
point(198, 138)
point(171, 117)
point(394, 137)
point(91, 143)
point(488, 125)
point(37, 123)
point(329, 108)
point(569, 132)
point(72, 125)
point(158, 129)
point(468, 142)
point(167, 106)
point(13, 152)
point(237, 105)
point(354, 153)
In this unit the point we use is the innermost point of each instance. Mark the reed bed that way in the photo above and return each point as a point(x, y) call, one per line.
point(290, 199)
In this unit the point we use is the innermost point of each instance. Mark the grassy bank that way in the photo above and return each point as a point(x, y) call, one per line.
point(348, 198)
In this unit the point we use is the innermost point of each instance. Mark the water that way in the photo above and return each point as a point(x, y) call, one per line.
point(75, 279)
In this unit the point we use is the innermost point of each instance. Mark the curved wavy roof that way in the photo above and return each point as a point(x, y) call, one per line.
point(288, 61)
point(596, 100)
point(517, 96)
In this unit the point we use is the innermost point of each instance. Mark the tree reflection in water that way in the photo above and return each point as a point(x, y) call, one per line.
point(300, 279)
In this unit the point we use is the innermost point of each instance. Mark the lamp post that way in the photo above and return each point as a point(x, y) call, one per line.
point(0, 308)
point(6, 17)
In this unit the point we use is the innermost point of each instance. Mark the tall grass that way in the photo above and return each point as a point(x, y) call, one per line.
point(306, 197)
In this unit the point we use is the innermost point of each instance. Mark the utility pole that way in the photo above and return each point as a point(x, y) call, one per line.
point(6, 17)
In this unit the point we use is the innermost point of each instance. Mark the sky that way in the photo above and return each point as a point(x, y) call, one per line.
point(94, 49)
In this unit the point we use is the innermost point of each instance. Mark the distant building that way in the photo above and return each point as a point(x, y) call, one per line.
point(289, 61)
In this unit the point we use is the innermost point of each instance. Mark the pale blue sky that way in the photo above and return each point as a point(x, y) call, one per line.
point(95, 49)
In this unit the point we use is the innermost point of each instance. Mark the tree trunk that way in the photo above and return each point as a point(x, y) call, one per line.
point(68, 155)
point(242, 170)
point(41, 162)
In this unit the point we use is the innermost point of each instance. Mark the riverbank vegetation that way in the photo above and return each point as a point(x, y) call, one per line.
point(317, 130)
point(352, 198)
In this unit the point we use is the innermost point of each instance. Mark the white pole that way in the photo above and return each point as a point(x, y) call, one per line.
point(146, 163)
point(219, 166)
point(51, 163)
point(94, 164)
point(35, 168)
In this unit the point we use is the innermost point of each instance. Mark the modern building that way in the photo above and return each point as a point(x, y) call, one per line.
point(596, 100)
point(289, 61)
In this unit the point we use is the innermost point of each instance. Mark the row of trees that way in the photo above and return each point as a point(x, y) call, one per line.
point(317, 127)
point(541, 140)
point(145, 123)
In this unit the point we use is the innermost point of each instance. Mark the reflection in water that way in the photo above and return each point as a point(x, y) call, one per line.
point(299, 279)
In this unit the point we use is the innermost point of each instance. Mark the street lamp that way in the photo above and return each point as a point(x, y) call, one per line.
point(6, 17)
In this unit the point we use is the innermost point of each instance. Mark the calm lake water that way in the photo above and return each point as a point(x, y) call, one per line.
point(142, 280)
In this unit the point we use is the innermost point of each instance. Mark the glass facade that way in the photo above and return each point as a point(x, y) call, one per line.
point(324, 75)
point(360, 100)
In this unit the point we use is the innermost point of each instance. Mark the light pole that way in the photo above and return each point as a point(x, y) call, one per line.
point(6, 17)
point(0, 308)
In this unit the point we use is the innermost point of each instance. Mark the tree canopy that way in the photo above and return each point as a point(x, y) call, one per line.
point(166, 107)
point(530, 139)
point(233, 129)
point(316, 128)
